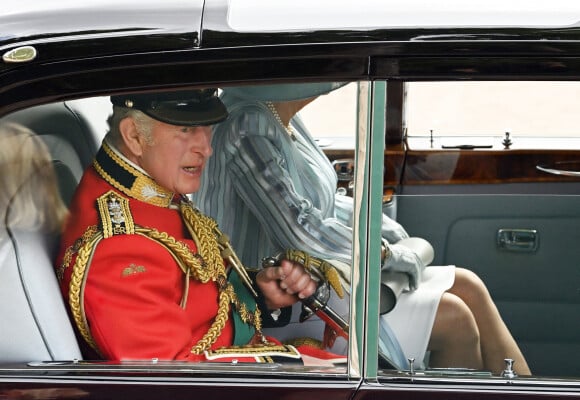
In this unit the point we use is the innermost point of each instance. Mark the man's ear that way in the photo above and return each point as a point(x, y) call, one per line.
point(132, 140)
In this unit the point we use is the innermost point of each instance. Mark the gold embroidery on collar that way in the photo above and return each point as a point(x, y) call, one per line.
point(144, 188)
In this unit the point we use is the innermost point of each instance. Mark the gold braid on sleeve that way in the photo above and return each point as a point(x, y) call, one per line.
point(77, 286)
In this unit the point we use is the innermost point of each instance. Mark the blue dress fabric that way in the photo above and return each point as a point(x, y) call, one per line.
point(270, 191)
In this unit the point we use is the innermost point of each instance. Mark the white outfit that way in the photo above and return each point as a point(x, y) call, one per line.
point(415, 311)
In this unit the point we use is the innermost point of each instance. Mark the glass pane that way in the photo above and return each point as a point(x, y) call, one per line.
point(482, 112)
point(500, 221)
point(82, 140)
point(34, 191)
point(333, 116)
point(521, 248)
point(277, 186)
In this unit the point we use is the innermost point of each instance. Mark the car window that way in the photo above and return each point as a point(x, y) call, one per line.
point(508, 217)
point(485, 112)
point(332, 118)
point(502, 207)
point(71, 135)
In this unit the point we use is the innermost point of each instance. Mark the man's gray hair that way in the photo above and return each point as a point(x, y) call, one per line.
point(143, 123)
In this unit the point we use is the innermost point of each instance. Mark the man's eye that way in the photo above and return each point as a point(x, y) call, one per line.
point(184, 129)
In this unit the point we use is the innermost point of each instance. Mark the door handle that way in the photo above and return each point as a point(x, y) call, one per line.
point(520, 240)
point(565, 168)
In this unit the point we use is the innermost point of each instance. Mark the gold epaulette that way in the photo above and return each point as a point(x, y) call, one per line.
point(115, 215)
point(115, 218)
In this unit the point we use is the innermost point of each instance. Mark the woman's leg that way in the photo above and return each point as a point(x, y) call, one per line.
point(497, 342)
point(455, 340)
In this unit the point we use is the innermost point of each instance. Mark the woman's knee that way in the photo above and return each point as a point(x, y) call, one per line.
point(469, 286)
point(454, 324)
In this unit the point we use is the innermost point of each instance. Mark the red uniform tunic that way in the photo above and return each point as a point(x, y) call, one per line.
point(121, 267)
point(134, 286)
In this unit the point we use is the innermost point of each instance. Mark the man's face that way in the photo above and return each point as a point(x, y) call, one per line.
point(176, 156)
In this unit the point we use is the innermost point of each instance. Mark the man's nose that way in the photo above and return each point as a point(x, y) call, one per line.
point(203, 141)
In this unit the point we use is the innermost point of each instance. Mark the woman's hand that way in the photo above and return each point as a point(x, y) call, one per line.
point(284, 285)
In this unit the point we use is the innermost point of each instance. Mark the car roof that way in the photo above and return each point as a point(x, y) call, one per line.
point(97, 27)
point(84, 47)
point(64, 29)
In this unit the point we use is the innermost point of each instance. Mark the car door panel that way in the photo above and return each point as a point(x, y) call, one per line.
point(536, 290)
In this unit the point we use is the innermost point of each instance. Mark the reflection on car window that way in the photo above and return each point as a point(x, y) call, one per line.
point(30, 196)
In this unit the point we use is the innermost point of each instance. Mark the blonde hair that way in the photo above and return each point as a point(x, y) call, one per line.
point(29, 191)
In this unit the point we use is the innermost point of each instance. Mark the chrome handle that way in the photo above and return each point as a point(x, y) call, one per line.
point(521, 240)
point(564, 168)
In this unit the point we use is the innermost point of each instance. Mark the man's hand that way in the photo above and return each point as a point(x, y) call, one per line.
point(284, 285)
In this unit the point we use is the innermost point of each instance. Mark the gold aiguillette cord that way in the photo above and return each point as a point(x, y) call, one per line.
point(228, 253)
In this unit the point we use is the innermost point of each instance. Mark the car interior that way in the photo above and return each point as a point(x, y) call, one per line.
point(37, 326)
point(540, 312)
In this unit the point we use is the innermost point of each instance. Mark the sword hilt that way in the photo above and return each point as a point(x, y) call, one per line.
point(317, 303)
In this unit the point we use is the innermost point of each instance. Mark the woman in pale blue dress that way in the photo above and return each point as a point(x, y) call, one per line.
point(270, 187)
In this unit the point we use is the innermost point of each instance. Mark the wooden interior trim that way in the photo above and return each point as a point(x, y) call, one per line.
point(429, 167)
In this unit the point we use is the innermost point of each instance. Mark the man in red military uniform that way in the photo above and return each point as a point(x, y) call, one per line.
point(141, 269)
